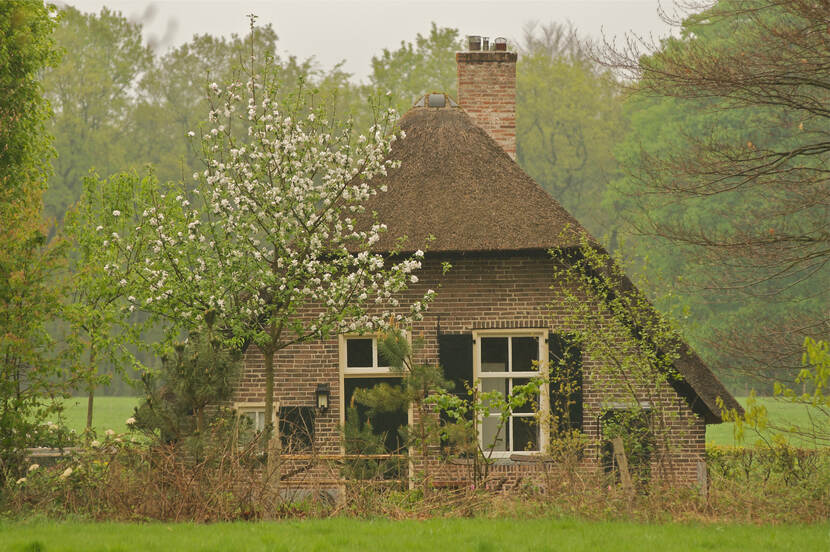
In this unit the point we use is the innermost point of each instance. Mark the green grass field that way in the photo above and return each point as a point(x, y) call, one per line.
point(780, 413)
point(112, 413)
point(107, 413)
point(477, 534)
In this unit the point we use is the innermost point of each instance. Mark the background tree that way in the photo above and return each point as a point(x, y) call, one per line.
point(92, 92)
point(173, 92)
point(728, 176)
point(30, 379)
point(120, 106)
point(568, 122)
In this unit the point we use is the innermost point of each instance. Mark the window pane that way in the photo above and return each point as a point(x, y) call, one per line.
point(494, 354)
point(494, 384)
point(525, 353)
point(376, 434)
point(489, 428)
point(525, 434)
point(529, 406)
point(359, 353)
point(257, 419)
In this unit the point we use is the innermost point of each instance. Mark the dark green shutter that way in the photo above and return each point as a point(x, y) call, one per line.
point(455, 354)
point(565, 391)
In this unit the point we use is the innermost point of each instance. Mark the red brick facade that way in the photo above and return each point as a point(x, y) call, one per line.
point(496, 291)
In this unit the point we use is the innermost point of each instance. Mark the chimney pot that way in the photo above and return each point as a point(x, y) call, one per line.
point(474, 43)
point(500, 44)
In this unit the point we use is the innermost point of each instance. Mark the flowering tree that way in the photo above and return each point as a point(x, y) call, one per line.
point(268, 240)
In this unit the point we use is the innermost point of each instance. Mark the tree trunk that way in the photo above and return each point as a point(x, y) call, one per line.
point(269, 398)
point(91, 397)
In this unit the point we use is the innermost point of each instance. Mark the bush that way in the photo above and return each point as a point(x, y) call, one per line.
point(124, 478)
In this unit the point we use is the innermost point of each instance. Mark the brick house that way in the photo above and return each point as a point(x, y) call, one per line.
point(460, 195)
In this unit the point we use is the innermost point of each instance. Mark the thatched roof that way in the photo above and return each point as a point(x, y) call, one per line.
point(456, 184)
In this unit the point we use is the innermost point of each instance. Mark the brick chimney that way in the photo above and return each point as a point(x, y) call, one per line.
point(487, 89)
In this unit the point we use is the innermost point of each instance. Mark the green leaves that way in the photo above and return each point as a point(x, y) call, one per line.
point(30, 376)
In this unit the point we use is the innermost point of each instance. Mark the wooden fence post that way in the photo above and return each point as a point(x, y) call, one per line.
point(622, 463)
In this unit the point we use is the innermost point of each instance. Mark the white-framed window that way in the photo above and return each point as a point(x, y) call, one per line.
point(359, 356)
point(503, 359)
point(362, 366)
point(255, 412)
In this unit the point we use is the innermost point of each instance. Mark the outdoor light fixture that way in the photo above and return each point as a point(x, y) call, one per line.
point(322, 396)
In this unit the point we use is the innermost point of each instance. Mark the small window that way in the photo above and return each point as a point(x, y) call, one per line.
point(251, 422)
point(362, 356)
point(364, 367)
point(255, 414)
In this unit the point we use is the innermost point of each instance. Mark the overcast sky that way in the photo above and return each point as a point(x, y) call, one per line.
point(355, 30)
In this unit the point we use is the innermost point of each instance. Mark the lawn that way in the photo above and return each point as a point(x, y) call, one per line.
point(477, 534)
point(780, 413)
point(107, 413)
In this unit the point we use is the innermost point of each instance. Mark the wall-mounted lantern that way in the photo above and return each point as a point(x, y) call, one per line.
point(322, 395)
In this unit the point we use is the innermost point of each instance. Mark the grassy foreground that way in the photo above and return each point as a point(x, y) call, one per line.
point(435, 534)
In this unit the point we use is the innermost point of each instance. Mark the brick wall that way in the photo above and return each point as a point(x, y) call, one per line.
point(481, 292)
point(487, 92)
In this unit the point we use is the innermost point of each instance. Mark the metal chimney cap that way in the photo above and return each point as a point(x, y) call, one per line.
point(473, 43)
